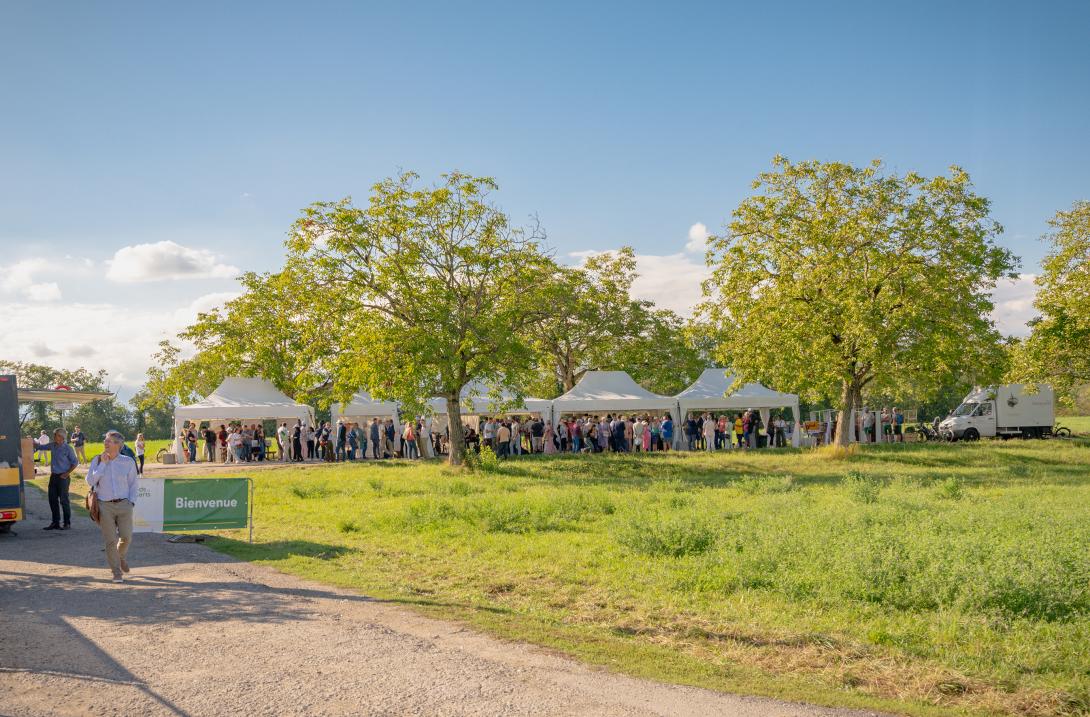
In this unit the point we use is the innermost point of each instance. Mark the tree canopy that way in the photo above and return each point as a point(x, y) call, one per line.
point(592, 323)
point(1057, 350)
point(276, 329)
point(435, 286)
point(834, 279)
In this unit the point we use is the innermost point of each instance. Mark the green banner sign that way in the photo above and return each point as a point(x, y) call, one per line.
point(205, 503)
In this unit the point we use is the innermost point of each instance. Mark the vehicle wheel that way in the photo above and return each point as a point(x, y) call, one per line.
point(971, 434)
point(161, 455)
point(1062, 432)
point(5, 528)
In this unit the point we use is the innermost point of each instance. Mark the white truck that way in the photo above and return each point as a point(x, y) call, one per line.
point(1005, 411)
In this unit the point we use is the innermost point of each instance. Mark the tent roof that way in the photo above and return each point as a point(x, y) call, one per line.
point(476, 401)
point(362, 405)
point(710, 391)
point(245, 398)
point(609, 391)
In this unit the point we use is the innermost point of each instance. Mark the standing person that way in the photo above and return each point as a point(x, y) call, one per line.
point(78, 439)
point(62, 462)
point(113, 477)
point(549, 438)
point(537, 434)
point(898, 425)
point(503, 440)
point(191, 442)
point(391, 434)
point(654, 431)
point(408, 439)
point(140, 446)
point(353, 440)
point(429, 436)
point(41, 446)
point(516, 437)
point(210, 444)
point(629, 434)
point(667, 432)
point(342, 440)
point(868, 426)
point(576, 436)
point(180, 449)
point(282, 442)
point(221, 442)
point(709, 432)
point(375, 450)
point(235, 448)
point(779, 428)
point(297, 443)
point(691, 432)
point(562, 435)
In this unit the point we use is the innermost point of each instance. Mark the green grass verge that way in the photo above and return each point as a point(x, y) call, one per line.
point(921, 579)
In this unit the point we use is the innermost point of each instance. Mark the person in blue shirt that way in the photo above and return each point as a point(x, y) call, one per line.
point(667, 433)
point(113, 478)
point(61, 464)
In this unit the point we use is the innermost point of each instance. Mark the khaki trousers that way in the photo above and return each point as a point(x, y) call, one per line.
point(115, 520)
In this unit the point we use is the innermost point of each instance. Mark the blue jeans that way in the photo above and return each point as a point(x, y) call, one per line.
point(193, 452)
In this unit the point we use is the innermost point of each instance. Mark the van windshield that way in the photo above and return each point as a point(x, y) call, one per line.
point(964, 409)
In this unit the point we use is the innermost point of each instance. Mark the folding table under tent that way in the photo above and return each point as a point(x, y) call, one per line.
point(712, 391)
point(602, 392)
point(242, 399)
point(362, 408)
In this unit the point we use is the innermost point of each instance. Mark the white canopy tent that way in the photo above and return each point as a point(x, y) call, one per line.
point(713, 391)
point(362, 408)
point(601, 392)
point(476, 401)
point(243, 399)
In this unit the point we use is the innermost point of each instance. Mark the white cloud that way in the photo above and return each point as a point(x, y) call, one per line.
point(698, 238)
point(46, 292)
point(203, 304)
point(22, 280)
point(672, 281)
point(1013, 300)
point(166, 260)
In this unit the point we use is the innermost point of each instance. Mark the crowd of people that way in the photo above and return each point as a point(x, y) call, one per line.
point(507, 436)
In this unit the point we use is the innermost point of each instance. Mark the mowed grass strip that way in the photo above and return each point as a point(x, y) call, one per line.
point(922, 579)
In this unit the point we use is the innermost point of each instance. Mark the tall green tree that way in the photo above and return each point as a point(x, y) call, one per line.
point(276, 329)
point(1057, 351)
point(835, 279)
point(439, 290)
point(593, 323)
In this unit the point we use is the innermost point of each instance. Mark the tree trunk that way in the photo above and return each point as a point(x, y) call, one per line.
point(850, 395)
point(457, 437)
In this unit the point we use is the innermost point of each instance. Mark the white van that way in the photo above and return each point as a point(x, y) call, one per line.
point(1012, 410)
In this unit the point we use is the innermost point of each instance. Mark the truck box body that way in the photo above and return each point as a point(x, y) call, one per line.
point(1011, 410)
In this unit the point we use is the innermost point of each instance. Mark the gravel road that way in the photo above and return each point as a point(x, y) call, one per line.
point(193, 632)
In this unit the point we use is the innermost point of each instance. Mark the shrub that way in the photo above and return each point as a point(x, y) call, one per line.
point(348, 526)
point(953, 488)
point(669, 535)
point(861, 487)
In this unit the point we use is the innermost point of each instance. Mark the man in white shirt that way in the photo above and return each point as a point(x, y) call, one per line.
point(285, 444)
point(113, 478)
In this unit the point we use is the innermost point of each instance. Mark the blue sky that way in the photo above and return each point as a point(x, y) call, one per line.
point(209, 125)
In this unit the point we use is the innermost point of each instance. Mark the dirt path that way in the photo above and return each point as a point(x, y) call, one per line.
point(193, 632)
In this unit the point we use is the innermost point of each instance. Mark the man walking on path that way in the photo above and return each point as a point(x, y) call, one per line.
point(61, 464)
point(113, 478)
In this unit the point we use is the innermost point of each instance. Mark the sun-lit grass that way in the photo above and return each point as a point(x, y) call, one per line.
point(923, 579)
point(1077, 424)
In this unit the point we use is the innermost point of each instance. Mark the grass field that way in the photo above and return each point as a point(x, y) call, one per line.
point(93, 449)
point(921, 579)
point(1077, 424)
